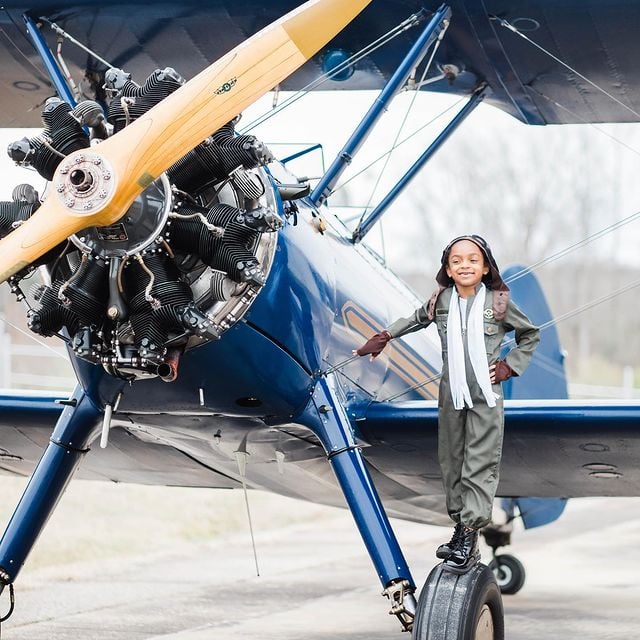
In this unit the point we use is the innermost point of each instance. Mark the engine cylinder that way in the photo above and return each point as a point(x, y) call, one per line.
point(77, 302)
point(152, 321)
point(134, 100)
point(231, 253)
point(62, 135)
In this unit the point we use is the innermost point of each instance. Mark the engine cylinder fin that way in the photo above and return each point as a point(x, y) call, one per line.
point(12, 213)
point(225, 132)
point(216, 158)
point(61, 136)
point(151, 324)
point(52, 315)
point(219, 284)
point(87, 294)
point(160, 84)
point(16, 211)
point(233, 253)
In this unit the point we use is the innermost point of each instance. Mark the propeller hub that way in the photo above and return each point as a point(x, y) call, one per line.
point(84, 182)
point(140, 226)
point(81, 180)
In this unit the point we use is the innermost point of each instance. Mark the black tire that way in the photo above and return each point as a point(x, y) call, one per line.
point(460, 607)
point(509, 572)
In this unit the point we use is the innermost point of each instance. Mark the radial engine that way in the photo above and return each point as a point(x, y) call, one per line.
point(180, 267)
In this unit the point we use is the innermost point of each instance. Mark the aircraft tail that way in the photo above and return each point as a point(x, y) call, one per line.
point(544, 378)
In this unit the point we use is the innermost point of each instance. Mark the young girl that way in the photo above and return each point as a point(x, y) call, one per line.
point(472, 311)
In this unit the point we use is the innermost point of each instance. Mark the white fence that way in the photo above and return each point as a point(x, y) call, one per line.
point(33, 366)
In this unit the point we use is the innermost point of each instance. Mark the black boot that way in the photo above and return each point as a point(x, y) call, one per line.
point(465, 554)
point(446, 549)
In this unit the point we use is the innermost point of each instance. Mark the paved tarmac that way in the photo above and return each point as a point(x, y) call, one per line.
point(583, 581)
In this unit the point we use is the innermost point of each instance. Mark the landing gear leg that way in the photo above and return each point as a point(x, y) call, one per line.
point(77, 426)
point(326, 417)
point(509, 571)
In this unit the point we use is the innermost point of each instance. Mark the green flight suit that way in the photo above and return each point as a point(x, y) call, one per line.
point(470, 439)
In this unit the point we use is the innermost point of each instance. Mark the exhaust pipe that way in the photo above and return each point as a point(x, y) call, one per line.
point(168, 369)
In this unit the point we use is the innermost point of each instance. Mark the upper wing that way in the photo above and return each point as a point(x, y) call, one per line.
point(552, 448)
point(596, 39)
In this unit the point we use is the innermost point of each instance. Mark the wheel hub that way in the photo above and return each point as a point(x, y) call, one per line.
point(484, 628)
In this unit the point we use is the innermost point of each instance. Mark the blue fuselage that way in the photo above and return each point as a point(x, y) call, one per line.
point(323, 298)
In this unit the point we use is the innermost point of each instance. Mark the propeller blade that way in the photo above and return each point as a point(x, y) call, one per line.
point(52, 223)
point(95, 187)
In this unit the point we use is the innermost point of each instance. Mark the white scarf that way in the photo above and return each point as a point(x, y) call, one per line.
point(477, 351)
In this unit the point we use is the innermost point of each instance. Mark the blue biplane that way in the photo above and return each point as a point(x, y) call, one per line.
point(206, 296)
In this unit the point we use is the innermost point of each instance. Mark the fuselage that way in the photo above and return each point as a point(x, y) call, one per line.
point(323, 297)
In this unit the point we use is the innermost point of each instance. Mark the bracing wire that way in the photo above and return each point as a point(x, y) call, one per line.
point(399, 144)
point(404, 120)
point(340, 369)
point(32, 337)
point(367, 50)
point(413, 388)
point(61, 32)
point(573, 247)
point(577, 116)
point(584, 307)
point(504, 23)
point(16, 47)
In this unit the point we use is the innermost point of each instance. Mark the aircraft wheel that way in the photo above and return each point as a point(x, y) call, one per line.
point(509, 572)
point(460, 607)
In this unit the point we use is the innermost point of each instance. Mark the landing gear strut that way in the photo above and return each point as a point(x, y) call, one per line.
point(509, 571)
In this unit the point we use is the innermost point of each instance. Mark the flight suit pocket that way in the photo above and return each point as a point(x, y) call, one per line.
point(491, 336)
point(490, 329)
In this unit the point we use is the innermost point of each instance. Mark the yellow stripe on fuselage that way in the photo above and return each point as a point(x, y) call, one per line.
point(402, 360)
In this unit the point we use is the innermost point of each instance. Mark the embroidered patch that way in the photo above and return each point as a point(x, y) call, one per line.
point(442, 312)
point(488, 314)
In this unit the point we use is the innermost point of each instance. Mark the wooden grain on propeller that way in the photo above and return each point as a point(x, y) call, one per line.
point(96, 186)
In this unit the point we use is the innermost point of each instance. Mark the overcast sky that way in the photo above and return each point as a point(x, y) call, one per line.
point(330, 117)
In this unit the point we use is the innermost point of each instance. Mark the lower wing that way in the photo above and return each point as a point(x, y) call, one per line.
point(552, 448)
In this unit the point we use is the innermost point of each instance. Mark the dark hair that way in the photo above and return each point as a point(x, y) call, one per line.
point(493, 279)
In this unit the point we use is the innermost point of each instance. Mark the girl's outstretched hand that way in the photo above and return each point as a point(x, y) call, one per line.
point(374, 345)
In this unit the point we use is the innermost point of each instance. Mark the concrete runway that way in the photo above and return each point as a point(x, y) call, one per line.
point(583, 581)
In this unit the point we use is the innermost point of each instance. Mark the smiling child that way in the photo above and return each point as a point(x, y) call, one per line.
point(472, 311)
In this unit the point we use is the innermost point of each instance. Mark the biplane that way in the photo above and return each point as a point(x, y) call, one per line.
point(210, 301)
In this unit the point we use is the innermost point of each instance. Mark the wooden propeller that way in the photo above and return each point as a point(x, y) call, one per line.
point(96, 186)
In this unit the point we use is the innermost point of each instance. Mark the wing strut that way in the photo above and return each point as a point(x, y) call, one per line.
point(40, 44)
point(432, 32)
point(364, 228)
point(76, 428)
